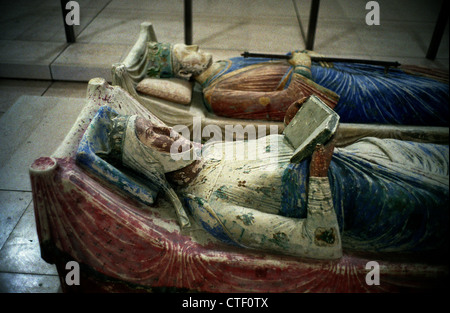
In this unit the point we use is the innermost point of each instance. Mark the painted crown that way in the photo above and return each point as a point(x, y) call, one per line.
point(159, 60)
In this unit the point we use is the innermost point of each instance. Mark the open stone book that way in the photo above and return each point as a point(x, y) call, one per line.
point(315, 123)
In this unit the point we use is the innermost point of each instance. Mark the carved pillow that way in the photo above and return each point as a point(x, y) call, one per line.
point(171, 89)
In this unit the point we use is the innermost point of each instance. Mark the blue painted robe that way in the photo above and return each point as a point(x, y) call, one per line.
point(389, 195)
point(368, 94)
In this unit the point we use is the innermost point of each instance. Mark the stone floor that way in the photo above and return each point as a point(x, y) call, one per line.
point(43, 79)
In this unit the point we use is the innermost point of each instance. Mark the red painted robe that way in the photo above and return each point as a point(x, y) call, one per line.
point(260, 91)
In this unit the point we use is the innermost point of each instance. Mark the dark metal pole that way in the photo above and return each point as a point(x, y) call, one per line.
point(70, 33)
point(312, 24)
point(438, 31)
point(188, 22)
point(247, 54)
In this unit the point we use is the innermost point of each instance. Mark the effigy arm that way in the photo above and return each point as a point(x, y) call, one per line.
point(321, 158)
point(301, 62)
point(315, 236)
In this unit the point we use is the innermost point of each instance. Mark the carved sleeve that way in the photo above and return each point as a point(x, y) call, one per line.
point(321, 224)
point(316, 236)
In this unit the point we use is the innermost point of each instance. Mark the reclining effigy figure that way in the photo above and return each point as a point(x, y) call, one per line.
point(381, 195)
point(263, 89)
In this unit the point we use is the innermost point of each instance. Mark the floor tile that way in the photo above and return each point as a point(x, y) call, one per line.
point(114, 26)
point(28, 59)
point(29, 283)
point(234, 34)
point(67, 89)
point(330, 9)
point(12, 206)
point(111, 30)
point(168, 6)
point(48, 26)
point(17, 124)
point(229, 8)
point(43, 20)
point(12, 89)
point(339, 38)
point(418, 10)
point(82, 62)
point(356, 10)
point(252, 8)
point(32, 127)
point(212, 25)
point(171, 29)
point(21, 252)
point(384, 39)
point(399, 10)
point(280, 35)
point(15, 19)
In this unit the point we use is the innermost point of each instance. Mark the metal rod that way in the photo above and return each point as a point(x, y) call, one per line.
point(361, 61)
point(438, 31)
point(312, 24)
point(247, 54)
point(70, 33)
point(321, 59)
point(188, 22)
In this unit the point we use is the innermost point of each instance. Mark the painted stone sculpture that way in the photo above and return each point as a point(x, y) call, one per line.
point(132, 244)
point(379, 195)
point(263, 89)
point(179, 104)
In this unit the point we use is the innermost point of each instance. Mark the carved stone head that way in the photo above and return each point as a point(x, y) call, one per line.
point(189, 61)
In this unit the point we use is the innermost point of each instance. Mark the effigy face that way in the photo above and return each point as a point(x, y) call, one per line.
point(189, 60)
